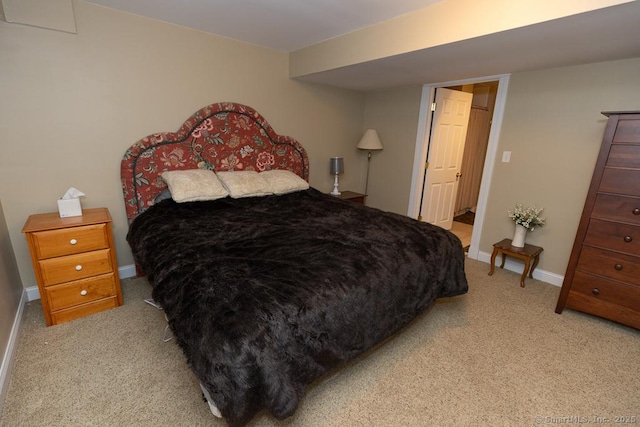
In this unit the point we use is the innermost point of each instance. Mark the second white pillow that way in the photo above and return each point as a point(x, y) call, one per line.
point(244, 184)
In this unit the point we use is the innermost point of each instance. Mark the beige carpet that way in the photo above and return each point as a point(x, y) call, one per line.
point(496, 356)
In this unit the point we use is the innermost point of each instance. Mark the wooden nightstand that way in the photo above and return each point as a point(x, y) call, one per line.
point(74, 261)
point(353, 196)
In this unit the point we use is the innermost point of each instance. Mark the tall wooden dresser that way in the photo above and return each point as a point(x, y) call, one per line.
point(603, 275)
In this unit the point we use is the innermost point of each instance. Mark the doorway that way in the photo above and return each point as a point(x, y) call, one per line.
point(478, 171)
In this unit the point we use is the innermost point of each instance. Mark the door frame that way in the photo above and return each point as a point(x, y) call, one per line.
point(422, 149)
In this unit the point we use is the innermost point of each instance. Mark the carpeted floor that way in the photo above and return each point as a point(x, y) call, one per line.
point(497, 356)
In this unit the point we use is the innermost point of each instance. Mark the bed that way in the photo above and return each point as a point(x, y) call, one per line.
point(268, 291)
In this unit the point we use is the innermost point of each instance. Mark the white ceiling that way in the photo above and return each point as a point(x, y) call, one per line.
point(602, 35)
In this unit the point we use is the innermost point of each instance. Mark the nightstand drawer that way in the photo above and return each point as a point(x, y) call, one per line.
point(75, 267)
point(352, 196)
point(81, 291)
point(67, 241)
point(83, 310)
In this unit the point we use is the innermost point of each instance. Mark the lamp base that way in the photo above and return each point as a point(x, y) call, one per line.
point(335, 191)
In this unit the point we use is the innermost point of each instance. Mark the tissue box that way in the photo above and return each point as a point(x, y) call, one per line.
point(69, 207)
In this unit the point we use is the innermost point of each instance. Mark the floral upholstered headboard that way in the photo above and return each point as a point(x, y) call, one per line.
point(222, 137)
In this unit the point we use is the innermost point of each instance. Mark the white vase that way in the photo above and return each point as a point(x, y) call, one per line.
point(518, 236)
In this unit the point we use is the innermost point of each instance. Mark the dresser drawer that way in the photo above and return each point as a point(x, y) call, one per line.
point(75, 267)
point(625, 268)
point(81, 291)
point(614, 235)
point(624, 156)
point(620, 181)
point(627, 131)
point(617, 208)
point(605, 298)
point(611, 291)
point(67, 241)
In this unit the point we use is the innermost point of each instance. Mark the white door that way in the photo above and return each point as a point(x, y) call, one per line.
point(446, 146)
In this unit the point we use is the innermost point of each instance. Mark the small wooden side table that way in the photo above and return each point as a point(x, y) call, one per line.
point(352, 196)
point(526, 254)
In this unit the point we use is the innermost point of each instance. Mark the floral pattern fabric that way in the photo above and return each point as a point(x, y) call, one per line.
point(220, 137)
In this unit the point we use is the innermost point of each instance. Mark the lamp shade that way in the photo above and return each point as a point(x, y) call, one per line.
point(370, 141)
point(336, 165)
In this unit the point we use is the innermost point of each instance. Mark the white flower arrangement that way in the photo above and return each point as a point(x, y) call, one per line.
point(528, 217)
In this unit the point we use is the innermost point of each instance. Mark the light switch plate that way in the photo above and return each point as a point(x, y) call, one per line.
point(506, 156)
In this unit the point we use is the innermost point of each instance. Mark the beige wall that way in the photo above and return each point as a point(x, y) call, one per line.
point(553, 128)
point(394, 114)
point(72, 104)
point(10, 284)
point(10, 294)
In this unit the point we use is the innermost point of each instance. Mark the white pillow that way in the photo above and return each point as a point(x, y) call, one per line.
point(284, 181)
point(193, 185)
point(244, 184)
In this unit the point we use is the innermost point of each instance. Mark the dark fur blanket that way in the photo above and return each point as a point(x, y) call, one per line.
point(267, 294)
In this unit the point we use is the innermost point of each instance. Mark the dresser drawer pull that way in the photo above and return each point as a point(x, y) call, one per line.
point(628, 239)
point(618, 267)
point(595, 291)
point(78, 267)
point(73, 241)
point(83, 292)
point(636, 211)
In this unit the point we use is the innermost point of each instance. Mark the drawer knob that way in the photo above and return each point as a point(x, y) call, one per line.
point(618, 267)
point(636, 211)
point(595, 291)
point(83, 292)
point(78, 267)
point(628, 239)
point(73, 241)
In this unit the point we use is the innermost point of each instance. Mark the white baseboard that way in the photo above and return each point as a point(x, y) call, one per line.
point(127, 271)
point(124, 272)
point(517, 267)
point(32, 293)
point(9, 355)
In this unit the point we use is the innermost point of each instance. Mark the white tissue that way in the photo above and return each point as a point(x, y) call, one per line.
point(72, 193)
